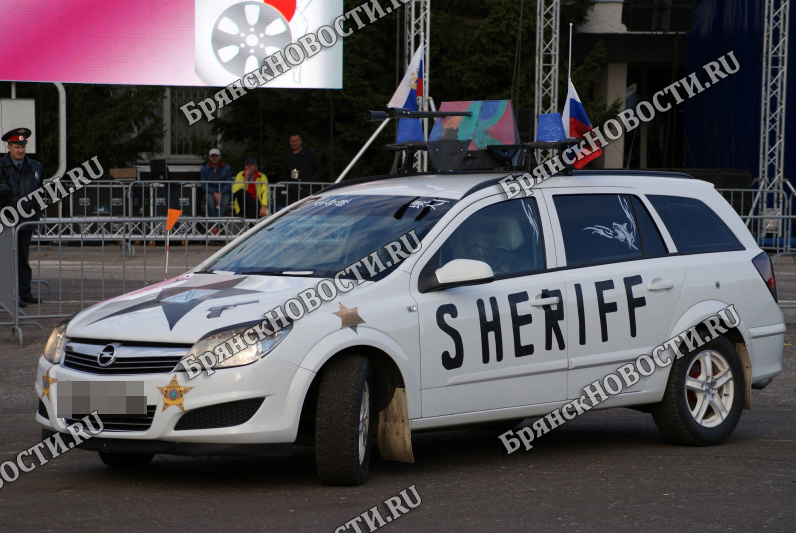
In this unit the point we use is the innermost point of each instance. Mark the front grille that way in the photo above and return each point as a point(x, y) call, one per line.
point(119, 422)
point(222, 415)
point(42, 410)
point(129, 360)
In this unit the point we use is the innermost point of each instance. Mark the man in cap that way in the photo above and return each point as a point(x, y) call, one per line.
point(250, 191)
point(19, 176)
point(217, 178)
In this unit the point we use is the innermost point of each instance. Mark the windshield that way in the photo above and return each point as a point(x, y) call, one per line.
point(325, 235)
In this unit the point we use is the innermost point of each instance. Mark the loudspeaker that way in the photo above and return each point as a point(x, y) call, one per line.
point(173, 195)
point(139, 200)
point(158, 170)
point(51, 212)
point(104, 200)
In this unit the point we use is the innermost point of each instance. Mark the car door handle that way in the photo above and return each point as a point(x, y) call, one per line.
point(659, 284)
point(553, 300)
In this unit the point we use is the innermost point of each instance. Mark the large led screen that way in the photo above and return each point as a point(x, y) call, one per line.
point(164, 42)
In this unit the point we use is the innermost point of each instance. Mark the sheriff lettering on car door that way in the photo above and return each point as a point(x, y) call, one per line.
point(567, 304)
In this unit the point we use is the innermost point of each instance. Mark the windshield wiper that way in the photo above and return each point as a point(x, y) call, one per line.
point(277, 273)
point(402, 210)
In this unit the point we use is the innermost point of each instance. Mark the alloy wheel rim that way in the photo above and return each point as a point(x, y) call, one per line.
point(709, 388)
point(364, 422)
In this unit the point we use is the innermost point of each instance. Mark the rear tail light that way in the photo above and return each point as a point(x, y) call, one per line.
point(763, 265)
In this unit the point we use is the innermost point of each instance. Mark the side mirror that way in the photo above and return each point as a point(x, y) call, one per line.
point(460, 272)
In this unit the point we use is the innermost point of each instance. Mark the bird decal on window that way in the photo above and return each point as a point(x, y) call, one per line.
point(619, 232)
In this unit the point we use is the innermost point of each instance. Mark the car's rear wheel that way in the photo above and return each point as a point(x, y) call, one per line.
point(344, 425)
point(125, 460)
point(704, 396)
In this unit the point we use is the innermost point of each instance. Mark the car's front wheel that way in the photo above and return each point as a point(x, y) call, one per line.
point(704, 396)
point(344, 424)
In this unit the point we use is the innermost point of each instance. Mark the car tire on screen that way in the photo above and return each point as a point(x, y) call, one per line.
point(125, 460)
point(343, 427)
point(704, 396)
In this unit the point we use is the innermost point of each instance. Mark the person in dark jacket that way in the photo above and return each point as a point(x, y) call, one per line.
point(217, 178)
point(298, 165)
point(20, 176)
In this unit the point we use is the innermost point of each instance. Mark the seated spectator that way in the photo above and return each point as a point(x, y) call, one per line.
point(217, 182)
point(250, 191)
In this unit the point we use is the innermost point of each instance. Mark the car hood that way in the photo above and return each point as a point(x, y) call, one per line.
point(185, 308)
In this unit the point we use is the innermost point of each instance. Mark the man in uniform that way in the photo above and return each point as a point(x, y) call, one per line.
point(19, 176)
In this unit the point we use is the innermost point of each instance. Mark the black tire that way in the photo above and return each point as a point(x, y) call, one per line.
point(342, 430)
point(125, 460)
point(692, 414)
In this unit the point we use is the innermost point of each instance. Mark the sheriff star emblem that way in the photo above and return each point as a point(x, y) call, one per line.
point(173, 394)
point(349, 317)
point(46, 385)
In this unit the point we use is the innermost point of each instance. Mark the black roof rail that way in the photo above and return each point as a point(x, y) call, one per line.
point(648, 173)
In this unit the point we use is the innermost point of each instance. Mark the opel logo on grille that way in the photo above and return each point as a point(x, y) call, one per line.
point(107, 356)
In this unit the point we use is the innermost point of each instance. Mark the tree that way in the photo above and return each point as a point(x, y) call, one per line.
point(120, 124)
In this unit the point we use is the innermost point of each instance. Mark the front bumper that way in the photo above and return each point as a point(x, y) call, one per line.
point(99, 444)
point(283, 386)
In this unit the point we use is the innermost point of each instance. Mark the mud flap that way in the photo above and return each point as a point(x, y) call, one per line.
point(743, 354)
point(394, 435)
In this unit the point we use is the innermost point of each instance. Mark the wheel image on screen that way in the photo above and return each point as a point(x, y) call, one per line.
point(245, 33)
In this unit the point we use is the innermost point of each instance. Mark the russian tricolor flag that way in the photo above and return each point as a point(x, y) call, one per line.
point(410, 88)
point(576, 124)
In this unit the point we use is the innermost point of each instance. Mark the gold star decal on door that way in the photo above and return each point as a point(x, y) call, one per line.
point(350, 317)
point(174, 394)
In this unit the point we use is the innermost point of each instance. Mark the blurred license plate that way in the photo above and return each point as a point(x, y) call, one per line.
point(117, 398)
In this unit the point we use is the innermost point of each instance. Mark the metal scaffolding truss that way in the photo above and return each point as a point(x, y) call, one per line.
point(772, 114)
point(547, 36)
point(417, 23)
point(772, 197)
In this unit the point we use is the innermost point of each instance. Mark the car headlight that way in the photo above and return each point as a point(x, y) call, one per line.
point(248, 355)
point(55, 344)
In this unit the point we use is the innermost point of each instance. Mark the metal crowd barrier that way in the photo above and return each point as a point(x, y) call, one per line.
point(71, 271)
point(768, 215)
point(93, 207)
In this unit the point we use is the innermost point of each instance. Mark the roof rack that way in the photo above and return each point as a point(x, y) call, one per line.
point(649, 173)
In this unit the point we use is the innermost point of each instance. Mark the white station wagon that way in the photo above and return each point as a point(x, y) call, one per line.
point(507, 311)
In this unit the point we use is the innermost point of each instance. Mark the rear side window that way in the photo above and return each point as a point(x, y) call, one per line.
point(694, 227)
point(598, 228)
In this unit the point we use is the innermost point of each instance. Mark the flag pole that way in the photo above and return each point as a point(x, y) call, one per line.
point(171, 218)
point(569, 65)
point(166, 273)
